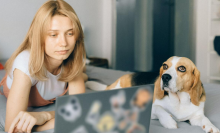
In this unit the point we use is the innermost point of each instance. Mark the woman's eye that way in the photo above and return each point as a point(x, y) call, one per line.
point(53, 35)
point(165, 66)
point(70, 33)
point(181, 68)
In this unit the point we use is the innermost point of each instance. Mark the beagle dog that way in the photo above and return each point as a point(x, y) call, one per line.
point(178, 93)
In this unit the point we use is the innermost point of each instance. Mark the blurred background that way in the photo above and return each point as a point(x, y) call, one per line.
point(132, 35)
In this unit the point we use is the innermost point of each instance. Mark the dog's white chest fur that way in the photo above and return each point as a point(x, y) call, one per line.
point(179, 105)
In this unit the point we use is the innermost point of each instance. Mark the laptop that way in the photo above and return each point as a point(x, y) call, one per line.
point(126, 110)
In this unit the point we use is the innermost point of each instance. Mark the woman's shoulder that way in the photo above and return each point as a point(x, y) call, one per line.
point(21, 62)
point(25, 54)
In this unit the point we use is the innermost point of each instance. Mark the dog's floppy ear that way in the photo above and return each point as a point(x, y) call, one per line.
point(158, 92)
point(195, 91)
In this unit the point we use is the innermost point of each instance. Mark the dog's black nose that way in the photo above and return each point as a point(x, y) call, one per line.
point(166, 77)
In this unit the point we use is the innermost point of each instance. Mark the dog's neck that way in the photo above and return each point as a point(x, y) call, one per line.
point(179, 98)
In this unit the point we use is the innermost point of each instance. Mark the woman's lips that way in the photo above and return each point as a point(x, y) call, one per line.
point(62, 52)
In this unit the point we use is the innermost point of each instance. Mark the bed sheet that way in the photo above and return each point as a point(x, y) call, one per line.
point(108, 76)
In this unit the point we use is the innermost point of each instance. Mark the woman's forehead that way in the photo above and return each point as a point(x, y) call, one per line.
point(60, 23)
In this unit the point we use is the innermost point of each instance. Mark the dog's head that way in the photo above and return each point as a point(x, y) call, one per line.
point(179, 74)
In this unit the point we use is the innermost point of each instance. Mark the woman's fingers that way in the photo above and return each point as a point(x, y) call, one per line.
point(27, 126)
point(31, 125)
point(15, 122)
point(23, 122)
point(26, 123)
point(23, 119)
point(15, 130)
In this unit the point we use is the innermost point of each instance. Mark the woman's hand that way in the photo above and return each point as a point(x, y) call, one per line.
point(25, 121)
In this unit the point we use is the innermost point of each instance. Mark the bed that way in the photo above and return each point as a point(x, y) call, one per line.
point(108, 76)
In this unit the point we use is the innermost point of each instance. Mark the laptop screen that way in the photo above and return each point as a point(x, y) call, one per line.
point(126, 110)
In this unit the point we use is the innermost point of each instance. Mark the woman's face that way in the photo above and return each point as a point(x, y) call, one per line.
point(60, 39)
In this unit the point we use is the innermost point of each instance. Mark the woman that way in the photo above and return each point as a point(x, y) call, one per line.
point(49, 62)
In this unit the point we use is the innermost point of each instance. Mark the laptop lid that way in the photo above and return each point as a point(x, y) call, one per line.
point(126, 110)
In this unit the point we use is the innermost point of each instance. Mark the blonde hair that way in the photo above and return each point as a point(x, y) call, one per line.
point(35, 39)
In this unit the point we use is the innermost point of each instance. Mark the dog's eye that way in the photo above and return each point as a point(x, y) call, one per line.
point(182, 69)
point(165, 66)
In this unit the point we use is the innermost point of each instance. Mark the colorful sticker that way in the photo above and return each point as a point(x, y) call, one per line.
point(117, 101)
point(140, 99)
point(70, 111)
point(94, 113)
point(106, 123)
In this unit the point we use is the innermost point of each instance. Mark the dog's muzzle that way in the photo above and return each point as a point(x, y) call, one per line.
point(166, 78)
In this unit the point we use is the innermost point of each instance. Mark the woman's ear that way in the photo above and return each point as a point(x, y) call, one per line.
point(195, 91)
point(158, 92)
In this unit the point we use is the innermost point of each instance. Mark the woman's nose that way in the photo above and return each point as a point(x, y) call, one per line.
point(63, 42)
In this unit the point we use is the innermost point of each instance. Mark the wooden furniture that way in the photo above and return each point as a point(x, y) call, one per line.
point(99, 62)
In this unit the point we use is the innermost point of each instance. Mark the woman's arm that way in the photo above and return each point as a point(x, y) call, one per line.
point(18, 97)
point(77, 86)
point(17, 119)
point(48, 125)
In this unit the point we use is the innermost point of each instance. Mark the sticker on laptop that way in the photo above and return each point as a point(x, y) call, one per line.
point(106, 123)
point(117, 101)
point(94, 113)
point(71, 111)
point(140, 99)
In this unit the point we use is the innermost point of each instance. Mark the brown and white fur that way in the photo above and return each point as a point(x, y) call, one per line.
point(178, 94)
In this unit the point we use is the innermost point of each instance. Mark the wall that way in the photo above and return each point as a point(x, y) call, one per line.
point(202, 36)
point(95, 15)
point(15, 20)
